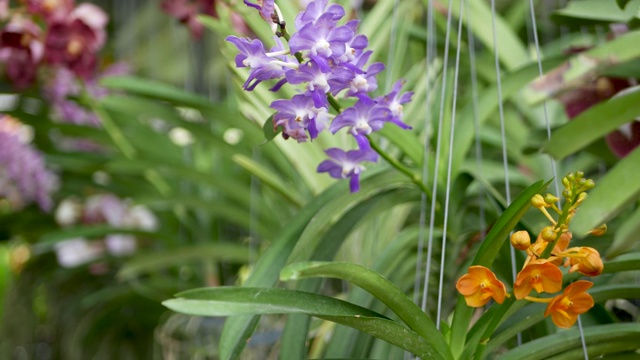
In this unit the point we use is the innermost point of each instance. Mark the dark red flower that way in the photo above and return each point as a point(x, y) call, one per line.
point(74, 41)
point(49, 9)
point(187, 11)
point(21, 51)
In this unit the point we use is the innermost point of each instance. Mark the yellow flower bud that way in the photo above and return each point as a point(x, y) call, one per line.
point(551, 199)
point(548, 234)
point(599, 231)
point(520, 240)
point(538, 201)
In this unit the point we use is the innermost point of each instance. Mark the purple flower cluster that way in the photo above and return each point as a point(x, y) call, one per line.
point(23, 176)
point(330, 60)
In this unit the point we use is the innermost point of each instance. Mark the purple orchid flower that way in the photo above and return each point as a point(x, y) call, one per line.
point(319, 83)
point(342, 165)
point(364, 81)
point(297, 116)
point(356, 45)
point(363, 118)
point(265, 7)
point(315, 9)
point(322, 39)
point(394, 101)
point(253, 56)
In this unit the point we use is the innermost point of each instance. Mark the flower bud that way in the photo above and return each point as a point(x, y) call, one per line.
point(589, 184)
point(548, 234)
point(580, 198)
point(589, 263)
point(599, 231)
point(538, 201)
point(520, 240)
point(551, 199)
point(566, 183)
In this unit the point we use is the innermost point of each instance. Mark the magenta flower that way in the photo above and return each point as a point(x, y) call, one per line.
point(342, 165)
point(21, 51)
point(74, 41)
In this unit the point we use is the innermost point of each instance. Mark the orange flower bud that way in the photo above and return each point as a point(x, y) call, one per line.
point(565, 308)
point(599, 231)
point(585, 260)
point(541, 275)
point(520, 240)
point(479, 285)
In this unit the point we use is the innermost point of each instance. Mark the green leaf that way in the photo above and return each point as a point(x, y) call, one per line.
point(270, 131)
point(511, 51)
point(594, 123)
point(143, 263)
point(378, 286)
point(582, 68)
point(622, 3)
point(156, 90)
point(615, 191)
point(486, 255)
point(97, 231)
point(582, 12)
point(238, 329)
point(627, 235)
point(227, 301)
point(269, 178)
point(611, 336)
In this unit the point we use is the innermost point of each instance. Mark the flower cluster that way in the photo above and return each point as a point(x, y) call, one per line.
point(187, 11)
point(541, 271)
point(24, 178)
point(71, 38)
point(100, 209)
point(328, 60)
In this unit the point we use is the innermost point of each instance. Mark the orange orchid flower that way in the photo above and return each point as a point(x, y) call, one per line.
point(479, 285)
point(541, 275)
point(585, 260)
point(565, 308)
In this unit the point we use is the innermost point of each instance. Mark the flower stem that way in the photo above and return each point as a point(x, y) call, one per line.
point(538, 300)
point(403, 169)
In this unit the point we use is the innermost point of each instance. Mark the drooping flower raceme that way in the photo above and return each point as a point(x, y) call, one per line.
point(331, 60)
point(541, 271)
